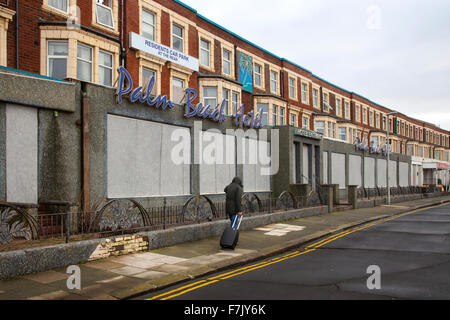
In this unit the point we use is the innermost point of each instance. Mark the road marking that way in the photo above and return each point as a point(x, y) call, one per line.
point(310, 248)
point(280, 230)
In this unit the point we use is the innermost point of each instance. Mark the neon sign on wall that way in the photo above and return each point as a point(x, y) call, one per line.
point(143, 95)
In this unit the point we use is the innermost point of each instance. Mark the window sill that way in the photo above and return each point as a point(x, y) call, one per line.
point(105, 28)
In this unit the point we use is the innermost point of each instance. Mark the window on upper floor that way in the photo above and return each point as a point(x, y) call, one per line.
point(258, 75)
point(292, 88)
point(178, 86)
point(226, 62)
point(104, 13)
point(205, 53)
point(226, 98)
point(147, 74)
point(304, 93)
point(357, 114)
point(61, 5)
point(371, 118)
point(325, 101)
point(235, 101)
point(274, 115)
point(347, 110)
point(57, 59)
point(273, 81)
point(84, 62)
point(177, 38)
point(338, 107)
point(364, 115)
point(105, 68)
point(293, 120)
point(305, 123)
point(210, 96)
point(316, 98)
point(320, 127)
point(343, 133)
point(264, 108)
point(148, 25)
point(282, 116)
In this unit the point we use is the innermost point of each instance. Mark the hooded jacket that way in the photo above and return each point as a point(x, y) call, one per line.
point(234, 194)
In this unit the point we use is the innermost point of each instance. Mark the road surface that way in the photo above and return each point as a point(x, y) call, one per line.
point(407, 257)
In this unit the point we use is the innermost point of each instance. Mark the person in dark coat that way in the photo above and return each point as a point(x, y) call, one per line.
point(234, 193)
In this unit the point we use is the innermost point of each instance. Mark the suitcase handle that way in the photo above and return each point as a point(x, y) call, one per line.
point(240, 220)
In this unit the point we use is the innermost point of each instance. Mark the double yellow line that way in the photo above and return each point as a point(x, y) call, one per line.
point(203, 283)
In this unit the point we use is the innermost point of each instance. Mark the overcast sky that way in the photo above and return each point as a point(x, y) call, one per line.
point(393, 52)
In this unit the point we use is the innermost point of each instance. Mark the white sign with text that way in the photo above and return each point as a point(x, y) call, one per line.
point(161, 51)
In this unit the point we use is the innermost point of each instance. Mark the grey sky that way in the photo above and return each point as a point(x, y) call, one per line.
point(393, 52)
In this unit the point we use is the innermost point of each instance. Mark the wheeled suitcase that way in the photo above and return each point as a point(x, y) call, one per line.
point(230, 236)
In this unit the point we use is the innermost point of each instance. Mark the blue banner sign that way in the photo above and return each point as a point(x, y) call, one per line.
point(215, 113)
point(246, 71)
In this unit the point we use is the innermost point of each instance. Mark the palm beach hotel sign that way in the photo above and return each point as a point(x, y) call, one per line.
point(125, 87)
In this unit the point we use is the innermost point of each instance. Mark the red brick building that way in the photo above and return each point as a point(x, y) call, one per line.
point(89, 39)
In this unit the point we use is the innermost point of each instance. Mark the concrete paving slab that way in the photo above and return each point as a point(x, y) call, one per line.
point(128, 271)
point(150, 275)
point(47, 277)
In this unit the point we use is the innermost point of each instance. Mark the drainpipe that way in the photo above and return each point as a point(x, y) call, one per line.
point(17, 34)
point(122, 34)
point(86, 105)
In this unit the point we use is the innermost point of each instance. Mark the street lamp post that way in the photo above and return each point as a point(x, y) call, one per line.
point(388, 150)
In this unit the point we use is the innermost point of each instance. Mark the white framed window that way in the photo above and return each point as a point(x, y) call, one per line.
point(325, 101)
point(364, 115)
point(258, 75)
point(338, 107)
point(264, 108)
point(235, 101)
point(178, 87)
point(147, 74)
point(226, 62)
point(148, 24)
point(343, 133)
point(274, 115)
point(304, 93)
point(293, 121)
point(105, 68)
point(347, 110)
point(177, 37)
point(104, 13)
point(57, 56)
point(357, 113)
point(320, 127)
point(61, 5)
point(305, 123)
point(205, 52)
point(315, 98)
point(210, 96)
point(84, 62)
point(274, 81)
point(292, 94)
point(371, 118)
point(226, 98)
point(282, 116)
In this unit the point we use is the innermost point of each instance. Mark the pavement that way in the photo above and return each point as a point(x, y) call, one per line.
point(138, 274)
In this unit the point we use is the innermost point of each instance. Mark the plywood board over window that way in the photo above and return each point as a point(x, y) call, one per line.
point(21, 154)
point(218, 167)
point(139, 159)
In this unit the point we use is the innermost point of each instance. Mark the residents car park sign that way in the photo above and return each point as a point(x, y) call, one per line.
point(163, 52)
point(215, 113)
